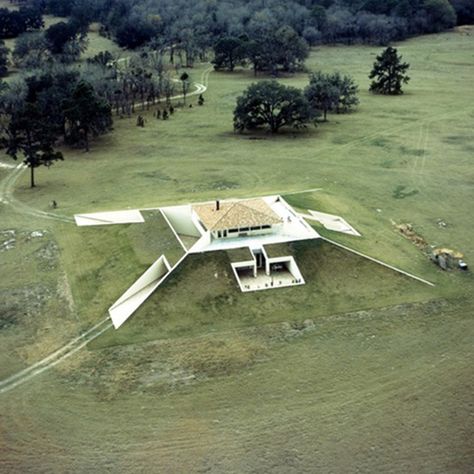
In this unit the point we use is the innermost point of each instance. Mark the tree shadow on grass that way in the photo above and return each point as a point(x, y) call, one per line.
point(284, 134)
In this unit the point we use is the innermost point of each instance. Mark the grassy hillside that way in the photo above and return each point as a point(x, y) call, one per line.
point(359, 370)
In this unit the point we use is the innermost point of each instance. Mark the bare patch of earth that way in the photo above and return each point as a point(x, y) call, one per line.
point(22, 304)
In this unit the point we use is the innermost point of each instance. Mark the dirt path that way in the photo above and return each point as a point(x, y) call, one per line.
point(56, 357)
point(6, 197)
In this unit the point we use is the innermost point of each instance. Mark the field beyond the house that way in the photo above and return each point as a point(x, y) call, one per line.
point(359, 370)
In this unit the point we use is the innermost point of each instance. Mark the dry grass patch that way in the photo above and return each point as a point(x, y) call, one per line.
point(212, 357)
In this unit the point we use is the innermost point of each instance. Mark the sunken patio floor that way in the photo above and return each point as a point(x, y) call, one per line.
point(277, 279)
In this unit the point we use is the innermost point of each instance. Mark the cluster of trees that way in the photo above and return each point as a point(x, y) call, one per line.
point(193, 28)
point(130, 83)
point(38, 111)
point(197, 25)
point(60, 103)
point(16, 22)
point(272, 105)
point(268, 50)
point(62, 41)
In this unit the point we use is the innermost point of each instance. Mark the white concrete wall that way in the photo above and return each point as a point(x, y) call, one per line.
point(234, 269)
point(180, 217)
point(293, 267)
point(155, 272)
point(128, 303)
point(248, 263)
point(284, 259)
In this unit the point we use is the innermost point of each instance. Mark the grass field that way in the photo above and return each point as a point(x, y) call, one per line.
point(359, 370)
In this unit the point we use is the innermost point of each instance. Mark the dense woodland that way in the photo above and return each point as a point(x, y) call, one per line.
point(198, 24)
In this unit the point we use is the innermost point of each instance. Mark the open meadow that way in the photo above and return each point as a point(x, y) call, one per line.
point(359, 370)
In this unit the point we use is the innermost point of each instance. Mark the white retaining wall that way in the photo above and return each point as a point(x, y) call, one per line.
point(129, 302)
point(181, 219)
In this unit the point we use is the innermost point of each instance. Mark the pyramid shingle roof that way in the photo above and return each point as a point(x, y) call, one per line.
point(236, 214)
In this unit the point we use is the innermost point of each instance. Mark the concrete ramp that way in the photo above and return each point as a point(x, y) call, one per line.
point(331, 222)
point(129, 302)
point(107, 218)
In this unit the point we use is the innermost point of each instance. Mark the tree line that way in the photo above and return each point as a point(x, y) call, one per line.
point(269, 35)
point(194, 27)
point(16, 22)
point(61, 42)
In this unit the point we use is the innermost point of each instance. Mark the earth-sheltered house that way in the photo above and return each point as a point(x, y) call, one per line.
point(253, 232)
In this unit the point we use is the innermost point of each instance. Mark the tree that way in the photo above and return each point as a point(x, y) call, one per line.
point(27, 131)
point(322, 94)
point(290, 49)
point(3, 59)
point(440, 15)
point(255, 52)
point(59, 7)
point(347, 92)
point(270, 50)
point(86, 114)
point(185, 84)
point(388, 73)
point(273, 105)
point(52, 88)
point(228, 52)
point(31, 50)
point(103, 58)
point(133, 33)
point(58, 35)
point(464, 10)
point(13, 23)
point(32, 18)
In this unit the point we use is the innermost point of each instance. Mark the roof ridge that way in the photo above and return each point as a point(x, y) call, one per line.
point(224, 214)
point(259, 211)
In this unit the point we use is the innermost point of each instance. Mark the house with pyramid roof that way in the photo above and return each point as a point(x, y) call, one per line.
point(254, 233)
point(242, 218)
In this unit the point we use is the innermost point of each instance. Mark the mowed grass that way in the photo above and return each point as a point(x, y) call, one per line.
point(206, 379)
point(97, 43)
point(202, 295)
point(108, 259)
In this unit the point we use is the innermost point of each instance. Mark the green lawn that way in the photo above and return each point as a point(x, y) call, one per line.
point(194, 300)
point(361, 369)
point(97, 43)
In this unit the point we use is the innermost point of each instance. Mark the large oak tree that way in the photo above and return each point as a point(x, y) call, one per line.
point(269, 104)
